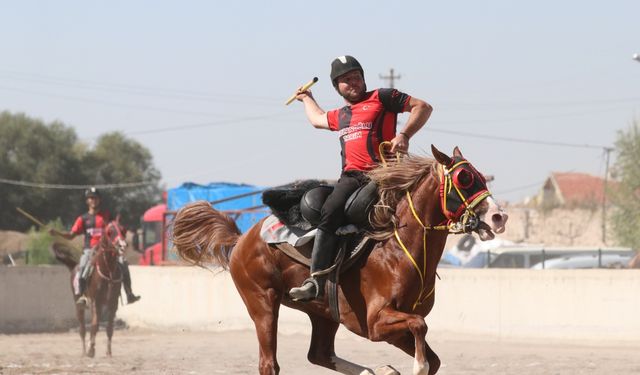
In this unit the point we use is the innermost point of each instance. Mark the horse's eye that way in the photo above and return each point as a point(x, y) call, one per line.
point(463, 178)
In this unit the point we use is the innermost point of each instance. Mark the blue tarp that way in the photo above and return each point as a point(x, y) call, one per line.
point(191, 192)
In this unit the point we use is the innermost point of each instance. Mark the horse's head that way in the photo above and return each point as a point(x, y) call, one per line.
point(465, 198)
point(115, 235)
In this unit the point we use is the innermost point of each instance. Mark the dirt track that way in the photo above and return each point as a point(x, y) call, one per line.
point(145, 352)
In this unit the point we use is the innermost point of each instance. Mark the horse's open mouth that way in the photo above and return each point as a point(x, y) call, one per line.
point(484, 231)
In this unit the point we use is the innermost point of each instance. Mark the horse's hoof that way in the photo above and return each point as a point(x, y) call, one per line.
point(91, 353)
point(386, 370)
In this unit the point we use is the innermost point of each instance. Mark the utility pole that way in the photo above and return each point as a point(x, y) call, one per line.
point(607, 151)
point(391, 77)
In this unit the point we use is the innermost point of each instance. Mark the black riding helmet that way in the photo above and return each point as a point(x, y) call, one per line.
point(91, 192)
point(342, 65)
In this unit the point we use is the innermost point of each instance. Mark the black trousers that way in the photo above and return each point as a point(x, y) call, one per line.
point(332, 213)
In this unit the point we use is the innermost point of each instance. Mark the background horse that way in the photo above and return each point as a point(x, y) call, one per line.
point(103, 285)
point(385, 295)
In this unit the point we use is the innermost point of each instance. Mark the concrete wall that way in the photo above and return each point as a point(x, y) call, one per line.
point(571, 304)
point(35, 299)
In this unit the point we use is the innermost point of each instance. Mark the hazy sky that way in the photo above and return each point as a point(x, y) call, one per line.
point(202, 84)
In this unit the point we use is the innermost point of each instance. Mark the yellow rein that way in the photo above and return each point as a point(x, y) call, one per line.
point(469, 208)
point(421, 272)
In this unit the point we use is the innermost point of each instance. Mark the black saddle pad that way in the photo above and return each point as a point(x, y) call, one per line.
point(284, 202)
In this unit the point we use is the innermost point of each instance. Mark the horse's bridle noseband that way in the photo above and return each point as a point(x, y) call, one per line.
point(456, 206)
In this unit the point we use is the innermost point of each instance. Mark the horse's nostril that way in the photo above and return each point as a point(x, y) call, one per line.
point(496, 218)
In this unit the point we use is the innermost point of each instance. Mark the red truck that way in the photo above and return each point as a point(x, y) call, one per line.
point(239, 201)
point(151, 239)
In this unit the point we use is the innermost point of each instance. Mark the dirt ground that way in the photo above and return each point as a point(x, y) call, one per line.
point(149, 352)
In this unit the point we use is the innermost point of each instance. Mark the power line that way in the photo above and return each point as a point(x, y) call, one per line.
point(200, 95)
point(73, 187)
point(529, 118)
point(517, 140)
point(108, 103)
point(130, 89)
point(519, 188)
point(203, 125)
point(529, 104)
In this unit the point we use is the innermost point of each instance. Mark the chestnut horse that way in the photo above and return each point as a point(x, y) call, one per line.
point(386, 294)
point(103, 286)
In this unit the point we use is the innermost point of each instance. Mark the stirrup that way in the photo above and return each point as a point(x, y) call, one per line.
point(308, 291)
point(82, 301)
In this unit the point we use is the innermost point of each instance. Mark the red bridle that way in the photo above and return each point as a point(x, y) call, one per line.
point(462, 188)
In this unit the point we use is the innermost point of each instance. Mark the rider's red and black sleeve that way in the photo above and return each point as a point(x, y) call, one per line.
point(333, 119)
point(393, 100)
point(78, 226)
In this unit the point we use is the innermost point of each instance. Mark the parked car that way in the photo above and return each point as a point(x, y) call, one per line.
point(586, 261)
point(449, 260)
point(481, 260)
point(527, 257)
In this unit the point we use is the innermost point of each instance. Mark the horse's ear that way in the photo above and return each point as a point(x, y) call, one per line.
point(457, 153)
point(440, 157)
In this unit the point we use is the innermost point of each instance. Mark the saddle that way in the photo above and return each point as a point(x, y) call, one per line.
point(296, 213)
point(298, 205)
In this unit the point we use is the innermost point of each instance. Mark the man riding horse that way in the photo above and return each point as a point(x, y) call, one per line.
point(368, 119)
point(92, 225)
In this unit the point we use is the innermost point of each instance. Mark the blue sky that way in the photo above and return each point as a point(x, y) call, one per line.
point(202, 84)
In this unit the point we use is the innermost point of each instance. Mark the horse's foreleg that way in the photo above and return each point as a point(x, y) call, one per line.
point(95, 319)
point(393, 326)
point(81, 328)
point(407, 344)
point(322, 350)
point(111, 316)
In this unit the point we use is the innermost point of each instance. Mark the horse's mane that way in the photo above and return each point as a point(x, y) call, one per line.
point(394, 179)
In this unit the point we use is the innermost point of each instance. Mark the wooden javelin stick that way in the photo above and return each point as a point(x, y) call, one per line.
point(28, 216)
point(303, 88)
point(65, 242)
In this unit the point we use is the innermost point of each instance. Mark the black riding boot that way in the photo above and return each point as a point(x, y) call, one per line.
point(126, 283)
point(82, 284)
point(82, 287)
point(322, 257)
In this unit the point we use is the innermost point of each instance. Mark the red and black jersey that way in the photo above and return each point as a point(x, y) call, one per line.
point(364, 125)
point(92, 226)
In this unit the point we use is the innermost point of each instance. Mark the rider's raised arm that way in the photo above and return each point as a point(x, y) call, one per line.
point(77, 229)
point(316, 115)
point(65, 235)
point(420, 111)
point(397, 102)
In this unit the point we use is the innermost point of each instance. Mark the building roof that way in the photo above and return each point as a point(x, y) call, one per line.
point(579, 188)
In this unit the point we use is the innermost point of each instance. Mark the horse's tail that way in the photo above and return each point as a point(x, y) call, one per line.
point(63, 255)
point(204, 235)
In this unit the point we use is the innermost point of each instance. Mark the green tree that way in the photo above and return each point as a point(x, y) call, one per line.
point(116, 158)
point(39, 244)
point(626, 195)
point(34, 152)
